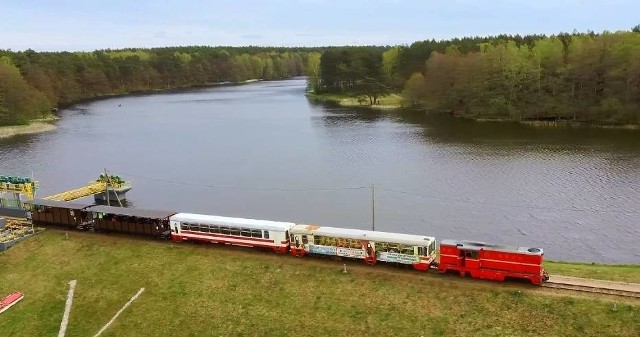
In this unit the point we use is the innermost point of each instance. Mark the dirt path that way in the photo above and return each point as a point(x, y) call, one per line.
point(615, 285)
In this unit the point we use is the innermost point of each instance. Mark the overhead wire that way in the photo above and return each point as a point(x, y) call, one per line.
point(378, 188)
point(240, 188)
point(506, 205)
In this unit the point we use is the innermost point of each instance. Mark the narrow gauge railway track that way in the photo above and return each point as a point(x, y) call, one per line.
point(592, 289)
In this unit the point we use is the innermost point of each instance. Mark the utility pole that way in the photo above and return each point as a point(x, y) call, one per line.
point(373, 207)
point(106, 186)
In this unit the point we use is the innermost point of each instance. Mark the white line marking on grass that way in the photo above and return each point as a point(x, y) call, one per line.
point(67, 309)
point(119, 312)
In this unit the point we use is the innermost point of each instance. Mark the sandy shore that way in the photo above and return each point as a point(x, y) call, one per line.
point(33, 127)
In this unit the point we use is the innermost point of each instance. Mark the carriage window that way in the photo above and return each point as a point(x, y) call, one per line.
point(246, 232)
point(305, 240)
point(316, 239)
point(408, 250)
point(256, 233)
point(291, 239)
point(266, 234)
point(224, 230)
point(214, 229)
point(204, 228)
point(235, 231)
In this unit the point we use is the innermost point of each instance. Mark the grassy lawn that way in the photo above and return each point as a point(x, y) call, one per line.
point(207, 290)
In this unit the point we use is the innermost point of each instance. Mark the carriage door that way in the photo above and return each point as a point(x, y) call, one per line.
point(469, 258)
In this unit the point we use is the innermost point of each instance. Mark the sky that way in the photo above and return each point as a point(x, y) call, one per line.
point(85, 25)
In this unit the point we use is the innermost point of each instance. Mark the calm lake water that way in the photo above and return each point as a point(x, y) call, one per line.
point(265, 151)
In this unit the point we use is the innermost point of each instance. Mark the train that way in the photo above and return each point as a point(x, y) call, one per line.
point(479, 260)
point(474, 259)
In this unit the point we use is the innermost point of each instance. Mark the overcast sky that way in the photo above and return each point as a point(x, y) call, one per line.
point(89, 25)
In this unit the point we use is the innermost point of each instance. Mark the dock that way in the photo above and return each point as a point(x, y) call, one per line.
point(107, 188)
point(96, 188)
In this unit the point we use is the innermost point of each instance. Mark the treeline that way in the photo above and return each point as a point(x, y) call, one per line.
point(32, 83)
point(585, 77)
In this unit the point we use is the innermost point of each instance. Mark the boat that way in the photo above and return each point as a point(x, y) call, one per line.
point(10, 300)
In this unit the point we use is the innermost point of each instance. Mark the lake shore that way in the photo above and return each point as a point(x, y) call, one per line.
point(394, 102)
point(389, 102)
point(44, 125)
point(36, 126)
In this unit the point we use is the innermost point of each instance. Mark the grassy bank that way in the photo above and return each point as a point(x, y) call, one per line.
point(36, 126)
point(625, 273)
point(206, 290)
point(393, 101)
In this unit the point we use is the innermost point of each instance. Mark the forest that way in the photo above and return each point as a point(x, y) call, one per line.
point(33, 83)
point(578, 77)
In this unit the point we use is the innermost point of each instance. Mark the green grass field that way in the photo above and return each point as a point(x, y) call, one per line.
point(208, 290)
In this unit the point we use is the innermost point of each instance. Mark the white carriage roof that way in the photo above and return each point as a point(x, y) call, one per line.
point(474, 245)
point(359, 234)
point(231, 222)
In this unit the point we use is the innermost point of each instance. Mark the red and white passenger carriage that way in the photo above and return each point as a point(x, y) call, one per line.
point(370, 246)
point(492, 262)
point(232, 231)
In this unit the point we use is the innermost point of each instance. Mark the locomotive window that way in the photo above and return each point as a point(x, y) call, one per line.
point(266, 234)
point(472, 254)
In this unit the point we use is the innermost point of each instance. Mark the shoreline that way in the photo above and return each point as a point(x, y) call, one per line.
point(35, 126)
point(395, 103)
point(44, 124)
point(389, 102)
point(154, 92)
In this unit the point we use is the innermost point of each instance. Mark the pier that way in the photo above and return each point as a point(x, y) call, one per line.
point(14, 190)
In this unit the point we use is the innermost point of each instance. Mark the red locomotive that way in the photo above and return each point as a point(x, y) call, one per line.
point(491, 261)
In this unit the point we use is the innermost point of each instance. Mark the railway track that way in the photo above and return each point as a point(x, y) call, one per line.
point(592, 289)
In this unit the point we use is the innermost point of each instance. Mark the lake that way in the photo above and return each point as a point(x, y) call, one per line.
point(265, 151)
